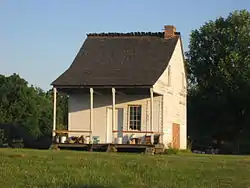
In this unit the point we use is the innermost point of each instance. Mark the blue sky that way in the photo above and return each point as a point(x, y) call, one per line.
point(39, 39)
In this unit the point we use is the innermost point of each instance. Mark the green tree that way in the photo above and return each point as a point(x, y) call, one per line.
point(29, 107)
point(219, 71)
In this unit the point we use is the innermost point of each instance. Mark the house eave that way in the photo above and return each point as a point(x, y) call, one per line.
point(100, 86)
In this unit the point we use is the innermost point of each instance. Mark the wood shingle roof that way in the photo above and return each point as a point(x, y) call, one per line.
point(130, 59)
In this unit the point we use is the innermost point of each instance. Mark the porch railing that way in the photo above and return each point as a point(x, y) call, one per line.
point(143, 132)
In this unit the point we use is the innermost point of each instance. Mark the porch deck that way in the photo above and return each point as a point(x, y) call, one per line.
point(131, 148)
point(80, 143)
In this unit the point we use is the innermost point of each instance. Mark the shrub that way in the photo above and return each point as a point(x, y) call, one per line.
point(3, 140)
point(171, 151)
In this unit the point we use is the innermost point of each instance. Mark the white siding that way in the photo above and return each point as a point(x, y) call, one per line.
point(79, 112)
point(175, 107)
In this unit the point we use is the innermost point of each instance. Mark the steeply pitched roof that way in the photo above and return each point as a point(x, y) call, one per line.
point(116, 59)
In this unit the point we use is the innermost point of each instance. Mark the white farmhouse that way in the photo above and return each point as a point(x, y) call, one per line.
point(123, 84)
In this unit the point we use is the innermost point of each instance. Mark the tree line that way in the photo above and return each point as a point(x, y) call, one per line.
point(29, 109)
point(218, 66)
point(218, 70)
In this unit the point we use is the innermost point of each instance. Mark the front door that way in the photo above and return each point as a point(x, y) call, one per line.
point(176, 135)
point(118, 124)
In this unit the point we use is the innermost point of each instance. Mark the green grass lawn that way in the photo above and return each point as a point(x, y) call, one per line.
point(48, 168)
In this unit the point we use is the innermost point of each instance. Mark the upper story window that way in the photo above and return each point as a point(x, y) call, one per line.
point(169, 75)
point(135, 117)
point(183, 80)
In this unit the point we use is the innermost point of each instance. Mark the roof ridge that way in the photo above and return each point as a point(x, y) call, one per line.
point(128, 34)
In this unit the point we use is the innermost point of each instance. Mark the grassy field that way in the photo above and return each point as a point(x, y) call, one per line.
point(33, 168)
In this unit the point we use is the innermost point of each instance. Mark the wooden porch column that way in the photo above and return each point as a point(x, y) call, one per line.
point(91, 111)
point(54, 114)
point(113, 110)
point(162, 119)
point(151, 111)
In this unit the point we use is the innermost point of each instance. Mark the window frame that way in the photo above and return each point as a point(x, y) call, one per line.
point(169, 75)
point(183, 80)
point(135, 120)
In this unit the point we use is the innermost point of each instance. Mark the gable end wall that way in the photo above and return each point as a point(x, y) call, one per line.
point(175, 99)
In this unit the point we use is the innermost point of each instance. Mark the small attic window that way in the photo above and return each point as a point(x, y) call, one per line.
point(169, 75)
point(183, 80)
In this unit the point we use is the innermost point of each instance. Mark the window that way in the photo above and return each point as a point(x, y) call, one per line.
point(169, 75)
point(135, 117)
point(183, 80)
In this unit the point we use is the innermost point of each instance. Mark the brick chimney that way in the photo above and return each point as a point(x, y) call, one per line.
point(169, 31)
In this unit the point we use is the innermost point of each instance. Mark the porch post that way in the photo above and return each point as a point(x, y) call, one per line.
point(151, 111)
point(91, 111)
point(113, 110)
point(162, 119)
point(54, 113)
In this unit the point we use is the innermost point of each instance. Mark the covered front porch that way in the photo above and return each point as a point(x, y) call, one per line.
point(129, 116)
